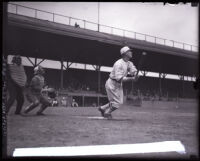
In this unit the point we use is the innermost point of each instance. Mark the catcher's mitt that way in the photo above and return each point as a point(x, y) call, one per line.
point(51, 92)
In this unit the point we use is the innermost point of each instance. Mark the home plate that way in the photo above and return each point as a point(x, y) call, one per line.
point(156, 147)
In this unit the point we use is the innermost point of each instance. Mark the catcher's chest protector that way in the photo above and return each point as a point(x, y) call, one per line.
point(37, 82)
point(18, 74)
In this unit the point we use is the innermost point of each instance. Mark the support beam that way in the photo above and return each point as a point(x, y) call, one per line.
point(30, 61)
point(181, 77)
point(95, 67)
point(35, 62)
point(83, 101)
point(163, 75)
point(183, 87)
point(98, 101)
point(40, 61)
point(160, 85)
point(61, 76)
point(99, 78)
point(65, 66)
point(144, 73)
point(69, 64)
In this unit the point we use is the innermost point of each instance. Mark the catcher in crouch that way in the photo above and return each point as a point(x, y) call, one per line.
point(114, 83)
point(36, 92)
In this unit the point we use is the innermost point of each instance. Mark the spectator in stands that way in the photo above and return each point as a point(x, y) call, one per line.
point(17, 80)
point(54, 102)
point(74, 103)
point(76, 25)
point(63, 101)
point(88, 88)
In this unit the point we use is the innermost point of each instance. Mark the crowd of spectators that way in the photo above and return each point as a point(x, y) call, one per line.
point(86, 82)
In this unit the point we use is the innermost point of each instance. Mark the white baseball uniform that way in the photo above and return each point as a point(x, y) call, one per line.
point(114, 87)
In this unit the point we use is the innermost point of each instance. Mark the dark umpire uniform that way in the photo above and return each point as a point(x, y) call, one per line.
point(16, 79)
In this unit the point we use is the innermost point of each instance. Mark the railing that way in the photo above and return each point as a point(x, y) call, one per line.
point(58, 18)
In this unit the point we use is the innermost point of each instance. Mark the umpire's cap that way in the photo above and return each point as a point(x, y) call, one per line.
point(16, 58)
point(124, 50)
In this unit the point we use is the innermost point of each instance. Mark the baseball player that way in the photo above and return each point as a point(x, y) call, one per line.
point(36, 93)
point(118, 75)
point(16, 82)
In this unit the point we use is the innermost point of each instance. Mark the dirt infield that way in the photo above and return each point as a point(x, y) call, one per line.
point(81, 126)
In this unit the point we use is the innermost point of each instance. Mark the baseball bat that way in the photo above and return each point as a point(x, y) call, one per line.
point(141, 62)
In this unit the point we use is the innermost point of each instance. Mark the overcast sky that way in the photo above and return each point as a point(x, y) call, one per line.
point(179, 23)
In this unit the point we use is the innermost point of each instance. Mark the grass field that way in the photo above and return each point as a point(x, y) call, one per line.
point(78, 126)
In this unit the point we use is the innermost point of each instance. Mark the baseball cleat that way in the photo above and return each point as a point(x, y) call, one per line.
point(108, 115)
point(40, 114)
point(102, 111)
point(26, 111)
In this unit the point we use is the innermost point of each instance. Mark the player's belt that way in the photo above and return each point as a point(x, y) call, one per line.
point(115, 80)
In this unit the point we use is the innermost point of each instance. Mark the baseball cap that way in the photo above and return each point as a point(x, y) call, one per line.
point(124, 50)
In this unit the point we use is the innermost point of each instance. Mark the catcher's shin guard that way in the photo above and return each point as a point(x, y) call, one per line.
point(31, 107)
point(41, 110)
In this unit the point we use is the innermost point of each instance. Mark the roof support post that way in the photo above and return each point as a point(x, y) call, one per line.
point(181, 77)
point(164, 75)
point(99, 80)
point(35, 62)
point(183, 88)
point(83, 101)
point(144, 73)
point(160, 86)
point(61, 76)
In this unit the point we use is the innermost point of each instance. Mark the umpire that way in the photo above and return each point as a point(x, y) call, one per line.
point(16, 78)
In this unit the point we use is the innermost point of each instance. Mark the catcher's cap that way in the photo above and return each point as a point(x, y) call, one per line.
point(38, 69)
point(124, 50)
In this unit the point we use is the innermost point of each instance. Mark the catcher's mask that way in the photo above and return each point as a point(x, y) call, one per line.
point(39, 70)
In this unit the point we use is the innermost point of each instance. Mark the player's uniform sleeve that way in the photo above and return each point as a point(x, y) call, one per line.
point(132, 69)
point(119, 71)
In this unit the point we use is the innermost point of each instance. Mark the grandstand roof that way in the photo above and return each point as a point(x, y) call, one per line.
point(49, 40)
